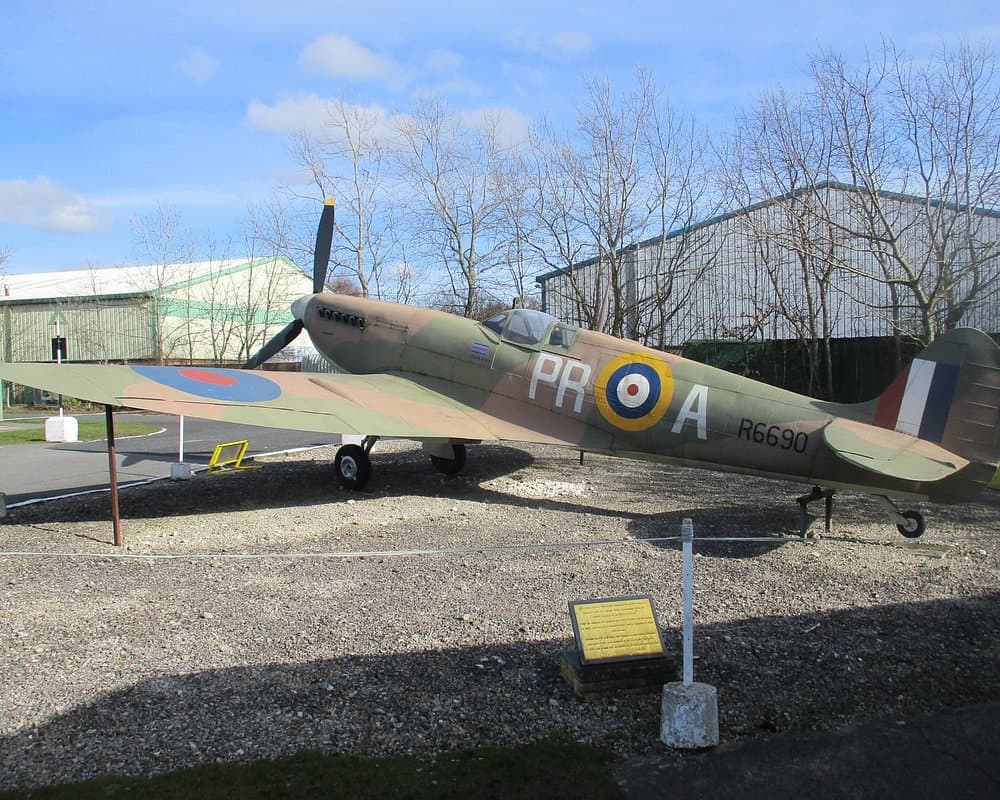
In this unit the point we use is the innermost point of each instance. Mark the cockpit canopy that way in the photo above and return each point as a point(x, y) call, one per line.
point(527, 326)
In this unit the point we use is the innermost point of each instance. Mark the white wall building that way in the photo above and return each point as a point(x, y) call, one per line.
point(213, 312)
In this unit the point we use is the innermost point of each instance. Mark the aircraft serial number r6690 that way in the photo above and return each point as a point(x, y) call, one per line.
point(773, 435)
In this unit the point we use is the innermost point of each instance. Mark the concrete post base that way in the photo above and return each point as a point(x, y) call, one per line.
point(180, 471)
point(690, 716)
point(61, 429)
point(3, 505)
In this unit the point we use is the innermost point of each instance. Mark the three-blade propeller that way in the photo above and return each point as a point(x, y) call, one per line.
point(321, 259)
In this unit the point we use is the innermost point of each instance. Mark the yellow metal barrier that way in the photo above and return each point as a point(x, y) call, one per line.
point(234, 461)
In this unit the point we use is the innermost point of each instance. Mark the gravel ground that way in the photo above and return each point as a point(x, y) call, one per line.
point(238, 628)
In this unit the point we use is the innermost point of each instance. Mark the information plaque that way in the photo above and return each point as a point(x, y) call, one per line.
point(616, 629)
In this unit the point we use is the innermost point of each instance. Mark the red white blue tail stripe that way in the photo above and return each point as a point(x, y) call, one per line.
point(918, 401)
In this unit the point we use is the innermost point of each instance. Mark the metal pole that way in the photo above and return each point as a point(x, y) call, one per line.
point(687, 579)
point(113, 476)
point(59, 360)
point(3, 399)
point(180, 442)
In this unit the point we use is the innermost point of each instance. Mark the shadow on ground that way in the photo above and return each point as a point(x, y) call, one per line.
point(823, 671)
point(277, 484)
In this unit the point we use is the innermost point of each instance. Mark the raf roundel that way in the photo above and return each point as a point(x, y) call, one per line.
point(634, 391)
point(227, 385)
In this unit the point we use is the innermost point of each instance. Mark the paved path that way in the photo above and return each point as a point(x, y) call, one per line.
point(948, 754)
point(31, 471)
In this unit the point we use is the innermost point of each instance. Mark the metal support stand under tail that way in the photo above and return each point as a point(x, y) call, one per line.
point(817, 493)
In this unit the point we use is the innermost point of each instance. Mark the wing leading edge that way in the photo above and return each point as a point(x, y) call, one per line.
point(382, 405)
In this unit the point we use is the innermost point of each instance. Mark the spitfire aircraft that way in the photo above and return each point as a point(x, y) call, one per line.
point(524, 376)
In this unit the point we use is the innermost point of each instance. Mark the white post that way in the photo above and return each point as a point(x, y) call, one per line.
point(180, 471)
point(687, 580)
point(689, 710)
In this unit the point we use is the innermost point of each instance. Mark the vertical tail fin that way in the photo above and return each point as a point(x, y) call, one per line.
point(950, 395)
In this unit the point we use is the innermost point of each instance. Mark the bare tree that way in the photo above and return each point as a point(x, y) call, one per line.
point(517, 256)
point(781, 149)
point(682, 253)
point(920, 144)
point(255, 300)
point(348, 161)
point(6, 335)
point(632, 169)
point(167, 249)
point(456, 204)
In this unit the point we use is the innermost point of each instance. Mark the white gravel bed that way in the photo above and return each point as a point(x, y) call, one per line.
point(244, 624)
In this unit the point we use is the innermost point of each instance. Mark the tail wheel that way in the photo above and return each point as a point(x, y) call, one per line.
point(913, 526)
point(453, 465)
point(353, 467)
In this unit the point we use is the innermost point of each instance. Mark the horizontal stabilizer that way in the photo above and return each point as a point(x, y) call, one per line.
point(886, 452)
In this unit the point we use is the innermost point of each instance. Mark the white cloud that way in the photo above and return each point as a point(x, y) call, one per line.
point(444, 62)
point(198, 66)
point(43, 204)
point(312, 114)
point(560, 45)
point(337, 56)
point(292, 113)
point(570, 43)
point(512, 126)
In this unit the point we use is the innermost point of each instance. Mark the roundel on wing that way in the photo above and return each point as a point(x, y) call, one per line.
point(634, 391)
point(228, 385)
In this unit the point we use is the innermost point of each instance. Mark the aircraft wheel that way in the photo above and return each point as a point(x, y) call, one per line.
point(353, 467)
point(914, 525)
point(453, 465)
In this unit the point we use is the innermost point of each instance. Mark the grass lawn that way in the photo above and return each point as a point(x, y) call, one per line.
point(33, 430)
point(544, 769)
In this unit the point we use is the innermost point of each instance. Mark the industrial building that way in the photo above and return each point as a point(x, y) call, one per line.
point(210, 313)
point(794, 268)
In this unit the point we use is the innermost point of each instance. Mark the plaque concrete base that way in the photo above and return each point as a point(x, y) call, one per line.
point(179, 471)
point(690, 716)
point(591, 680)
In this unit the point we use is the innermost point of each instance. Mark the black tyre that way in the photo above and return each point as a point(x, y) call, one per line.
point(453, 465)
point(353, 467)
point(914, 525)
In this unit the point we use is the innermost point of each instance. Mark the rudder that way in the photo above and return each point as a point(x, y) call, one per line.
point(949, 395)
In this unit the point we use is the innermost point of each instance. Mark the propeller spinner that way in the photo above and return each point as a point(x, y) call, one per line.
point(321, 259)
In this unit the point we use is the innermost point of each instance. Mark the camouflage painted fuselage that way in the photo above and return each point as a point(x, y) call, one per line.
point(597, 393)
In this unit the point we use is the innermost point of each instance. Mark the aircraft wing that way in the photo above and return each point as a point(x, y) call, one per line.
point(886, 452)
point(382, 405)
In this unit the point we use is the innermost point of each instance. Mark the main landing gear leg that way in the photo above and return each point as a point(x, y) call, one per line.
point(909, 523)
point(352, 464)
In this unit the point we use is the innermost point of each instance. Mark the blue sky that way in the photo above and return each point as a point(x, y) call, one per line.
point(108, 108)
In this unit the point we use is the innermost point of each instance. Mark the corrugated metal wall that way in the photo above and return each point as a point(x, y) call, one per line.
point(104, 330)
point(750, 281)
